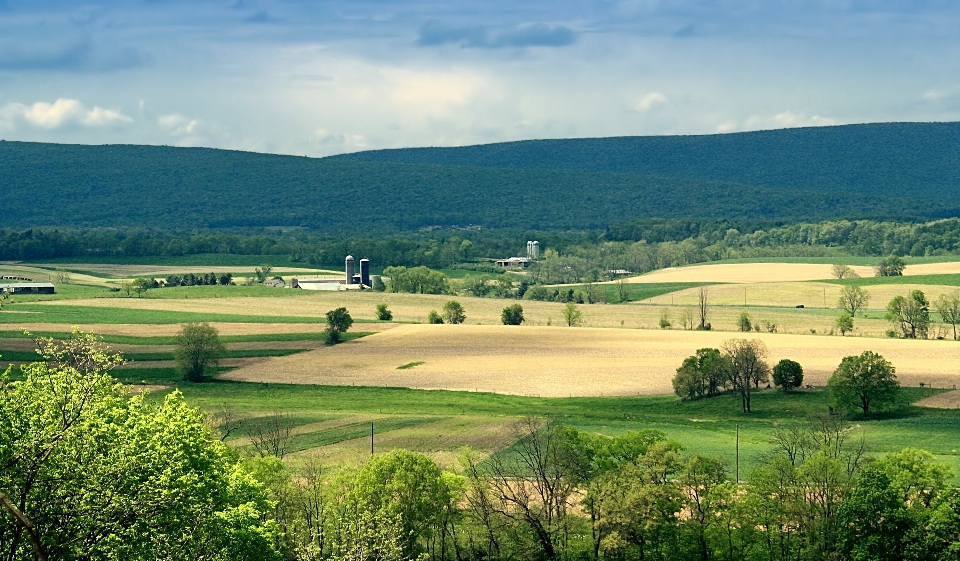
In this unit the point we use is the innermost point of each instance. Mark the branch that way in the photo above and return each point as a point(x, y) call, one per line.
point(22, 519)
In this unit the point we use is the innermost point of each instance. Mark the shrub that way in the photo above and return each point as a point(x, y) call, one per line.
point(434, 318)
point(512, 315)
point(788, 374)
point(743, 322)
point(338, 322)
point(384, 313)
point(453, 312)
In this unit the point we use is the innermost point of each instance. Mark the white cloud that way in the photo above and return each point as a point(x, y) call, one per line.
point(61, 114)
point(178, 125)
point(786, 120)
point(647, 102)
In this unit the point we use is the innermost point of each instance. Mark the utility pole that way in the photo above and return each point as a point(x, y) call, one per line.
point(371, 438)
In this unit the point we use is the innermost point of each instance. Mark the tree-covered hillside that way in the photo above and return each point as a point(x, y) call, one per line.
point(893, 159)
point(543, 185)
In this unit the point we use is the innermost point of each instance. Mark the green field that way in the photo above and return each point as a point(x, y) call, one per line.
point(941, 280)
point(706, 426)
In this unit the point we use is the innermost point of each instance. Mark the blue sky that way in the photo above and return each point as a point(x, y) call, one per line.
point(323, 77)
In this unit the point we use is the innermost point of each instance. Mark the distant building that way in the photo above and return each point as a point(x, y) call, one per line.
point(275, 283)
point(514, 262)
point(318, 284)
point(27, 288)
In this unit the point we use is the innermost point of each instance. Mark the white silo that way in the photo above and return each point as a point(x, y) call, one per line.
point(349, 266)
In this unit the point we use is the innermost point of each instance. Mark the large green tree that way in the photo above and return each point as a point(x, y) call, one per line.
point(867, 382)
point(702, 374)
point(198, 347)
point(338, 322)
point(910, 314)
point(948, 306)
point(89, 472)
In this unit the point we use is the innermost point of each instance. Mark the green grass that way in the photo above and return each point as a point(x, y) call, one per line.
point(940, 280)
point(32, 313)
point(705, 426)
point(171, 340)
point(196, 260)
point(637, 291)
point(31, 356)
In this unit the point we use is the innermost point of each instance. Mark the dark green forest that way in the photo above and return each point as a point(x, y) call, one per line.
point(801, 175)
point(916, 160)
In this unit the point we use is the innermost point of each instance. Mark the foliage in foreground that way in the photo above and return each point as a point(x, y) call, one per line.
point(89, 472)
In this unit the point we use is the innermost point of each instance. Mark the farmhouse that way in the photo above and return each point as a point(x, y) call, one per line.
point(27, 288)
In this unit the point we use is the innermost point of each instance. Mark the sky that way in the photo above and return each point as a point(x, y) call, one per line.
point(317, 78)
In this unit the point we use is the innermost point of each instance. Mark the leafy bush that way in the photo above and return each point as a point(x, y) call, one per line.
point(383, 312)
point(512, 315)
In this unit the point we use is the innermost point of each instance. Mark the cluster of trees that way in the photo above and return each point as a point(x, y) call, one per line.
point(88, 471)
point(866, 382)
point(560, 493)
point(190, 279)
point(416, 280)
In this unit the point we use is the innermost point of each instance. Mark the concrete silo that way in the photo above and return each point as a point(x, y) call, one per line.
point(349, 265)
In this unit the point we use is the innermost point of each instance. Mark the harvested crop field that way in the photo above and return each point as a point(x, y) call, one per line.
point(774, 272)
point(945, 400)
point(557, 362)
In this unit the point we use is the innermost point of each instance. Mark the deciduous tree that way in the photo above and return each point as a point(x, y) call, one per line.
point(338, 322)
point(852, 299)
point(572, 314)
point(747, 366)
point(512, 315)
point(948, 306)
point(453, 312)
point(910, 314)
point(788, 374)
point(198, 347)
point(867, 382)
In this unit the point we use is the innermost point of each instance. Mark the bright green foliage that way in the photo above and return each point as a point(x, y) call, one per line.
point(406, 491)
point(911, 314)
point(434, 318)
point(383, 312)
point(512, 315)
point(338, 322)
point(788, 374)
point(198, 347)
point(866, 382)
point(416, 280)
point(102, 475)
point(572, 315)
point(141, 285)
point(844, 323)
point(892, 266)
point(702, 375)
point(453, 312)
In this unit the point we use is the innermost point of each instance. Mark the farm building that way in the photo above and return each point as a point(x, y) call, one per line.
point(318, 284)
point(514, 262)
point(27, 288)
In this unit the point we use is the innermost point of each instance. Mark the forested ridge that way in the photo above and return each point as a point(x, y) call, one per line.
point(891, 159)
point(906, 171)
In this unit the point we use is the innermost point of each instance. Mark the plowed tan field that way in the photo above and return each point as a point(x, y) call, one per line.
point(774, 272)
point(561, 361)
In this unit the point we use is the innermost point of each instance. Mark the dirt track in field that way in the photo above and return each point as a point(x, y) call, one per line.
point(561, 361)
